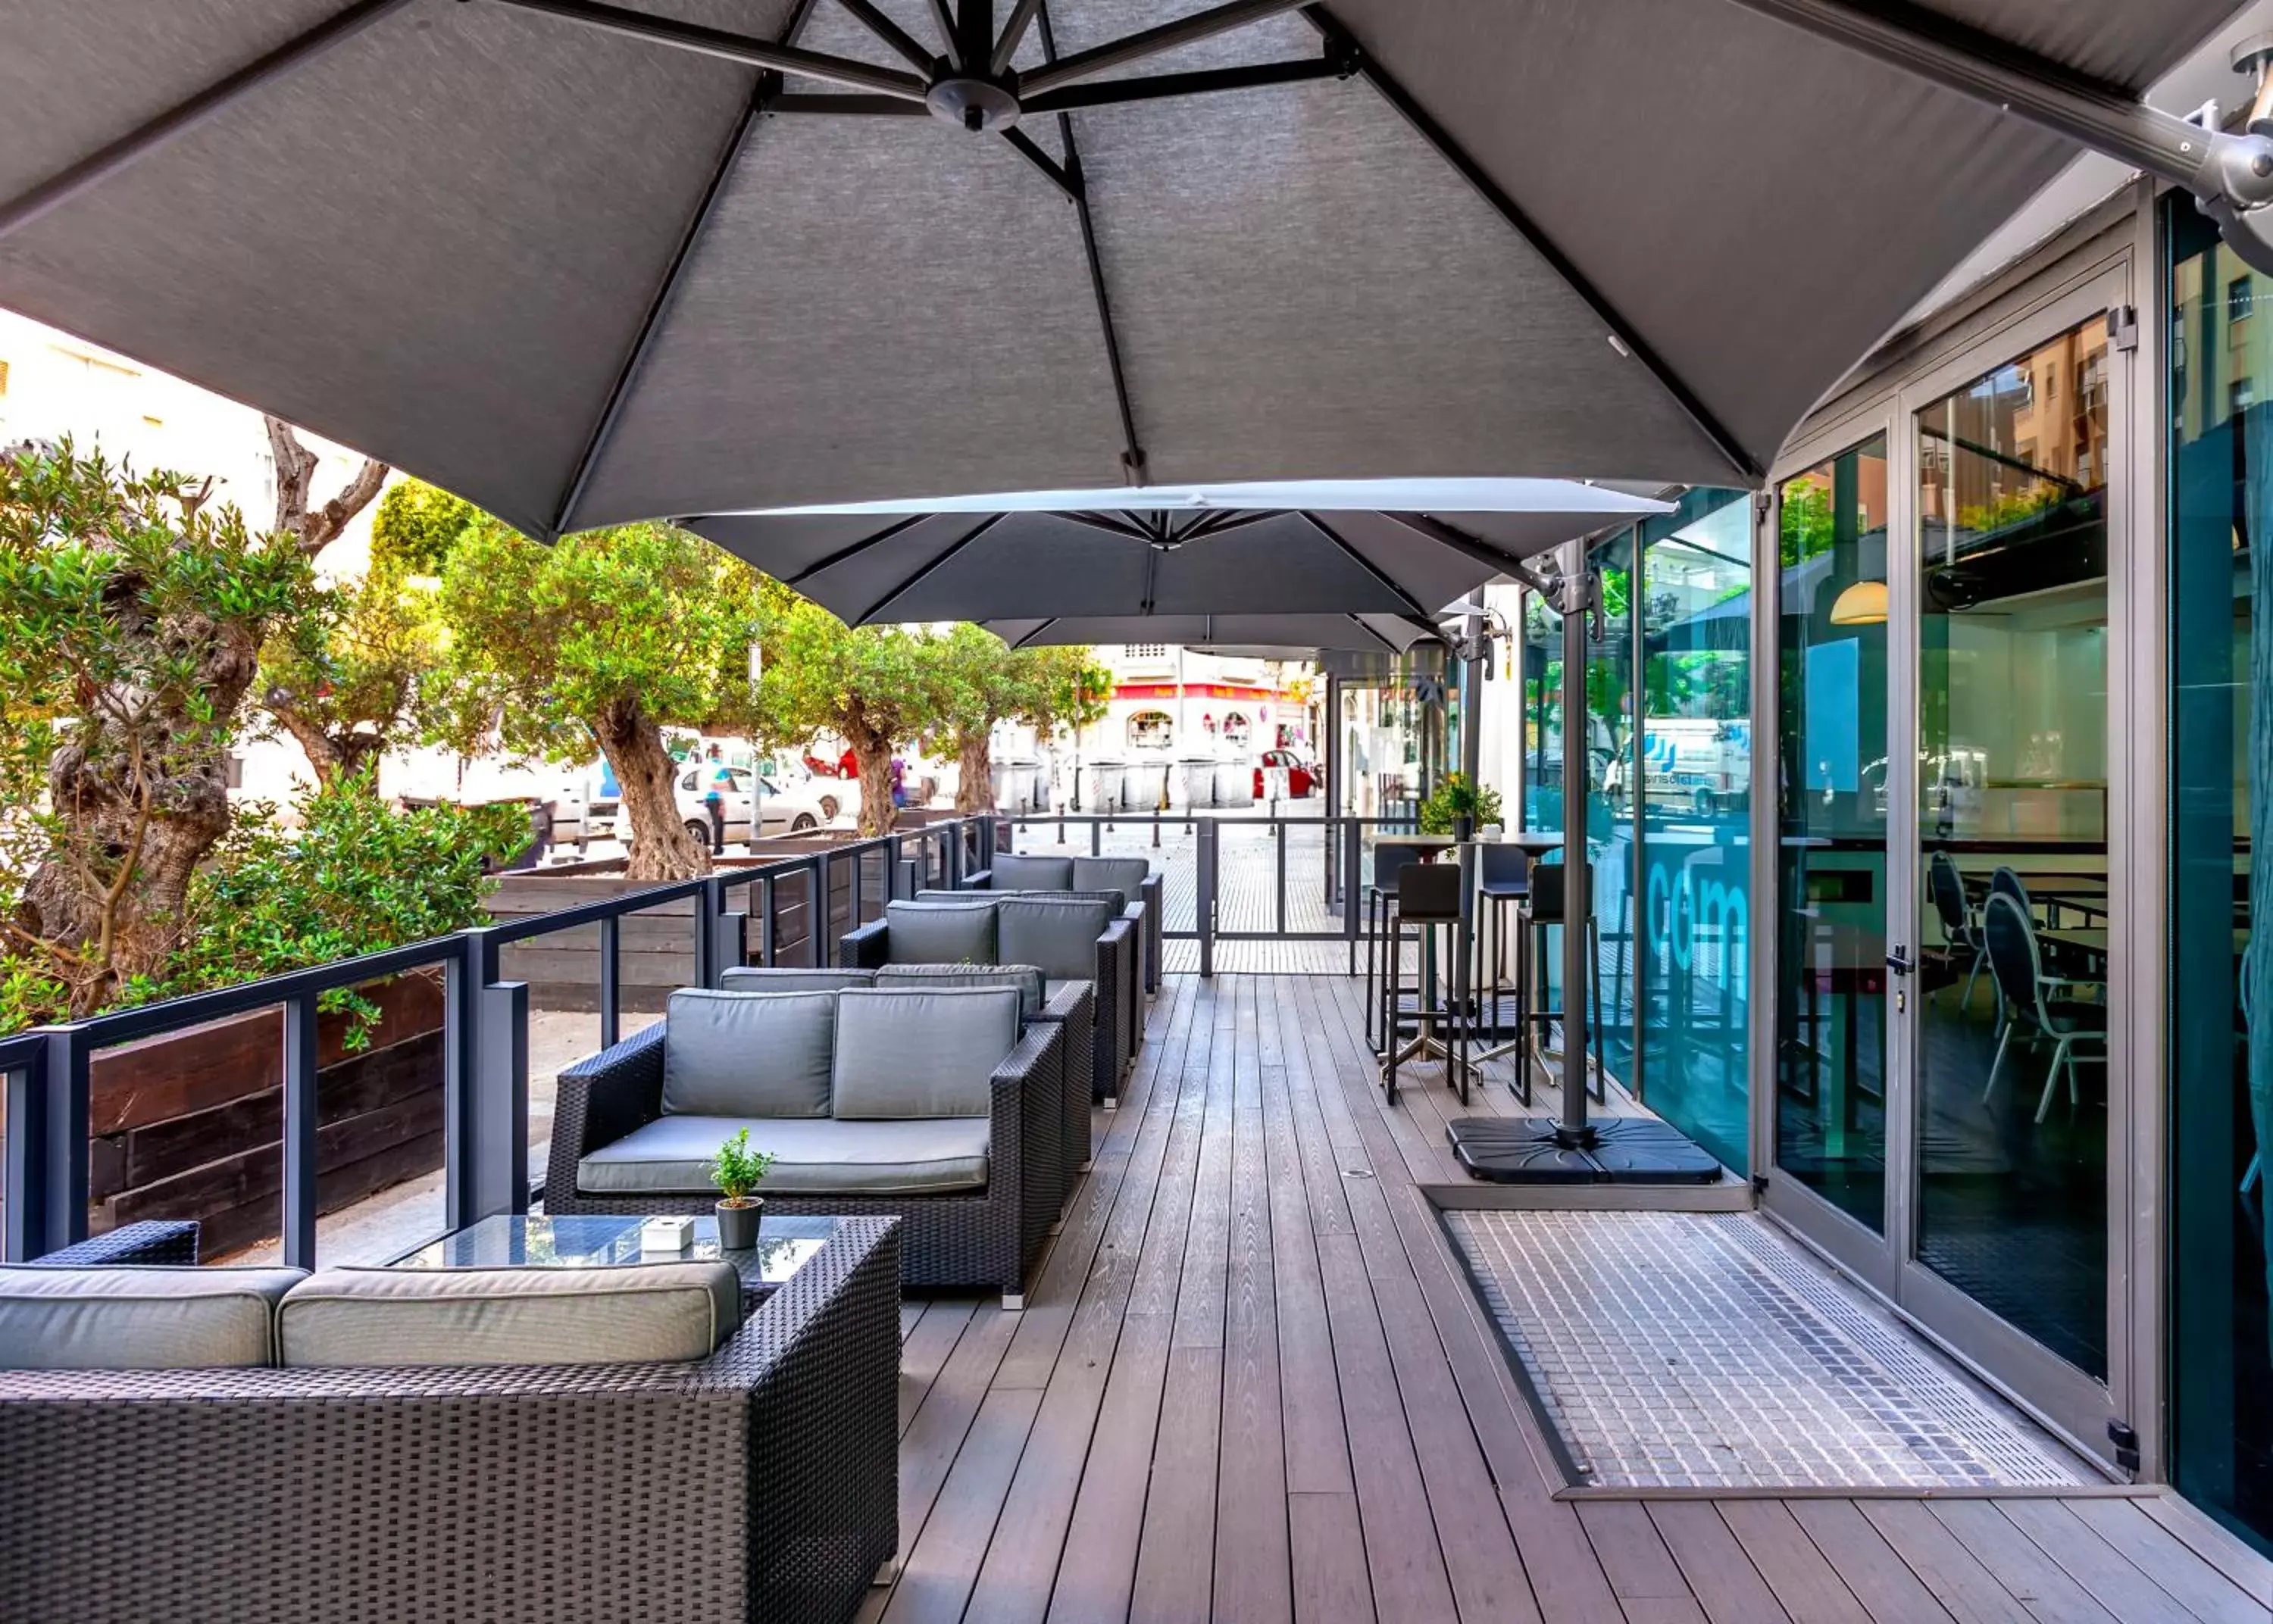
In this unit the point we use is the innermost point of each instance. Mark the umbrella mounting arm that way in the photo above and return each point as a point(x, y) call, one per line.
point(2231, 175)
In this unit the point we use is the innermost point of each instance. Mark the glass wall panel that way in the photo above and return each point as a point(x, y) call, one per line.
point(1696, 767)
point(2012, 843)
point(1610, 800)
point(1831, 829)
point(1542, 714)
point(2221, 988)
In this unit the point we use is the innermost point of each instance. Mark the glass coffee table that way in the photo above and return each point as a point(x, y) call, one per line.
point(605, 1240)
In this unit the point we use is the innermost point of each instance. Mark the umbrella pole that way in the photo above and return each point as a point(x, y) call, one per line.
point(1573, 1132)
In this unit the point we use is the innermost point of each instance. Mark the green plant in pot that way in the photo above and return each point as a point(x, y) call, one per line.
point(1459, 806)
point(737, 1169)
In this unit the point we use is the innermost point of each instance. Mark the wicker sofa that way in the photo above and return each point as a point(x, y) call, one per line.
point(760, 1482)
point(976, 1172)
point(1140, 888)
point(1068, 937)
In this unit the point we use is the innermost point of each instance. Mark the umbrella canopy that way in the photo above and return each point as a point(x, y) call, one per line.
point(1133, 562)
point(1272, 637)
point(583, 262)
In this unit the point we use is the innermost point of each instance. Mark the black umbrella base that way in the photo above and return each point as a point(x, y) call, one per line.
point(1620, 1150)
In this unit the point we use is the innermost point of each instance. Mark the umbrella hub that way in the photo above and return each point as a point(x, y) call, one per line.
point(971, 103)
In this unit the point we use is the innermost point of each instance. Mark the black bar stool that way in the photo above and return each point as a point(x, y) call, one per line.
point(1541, 911)
point(1389, 856)
point(1503, 876)
point(1428, 896)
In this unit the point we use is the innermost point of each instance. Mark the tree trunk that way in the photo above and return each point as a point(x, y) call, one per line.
point(660, 847)
point(877, 813)
point(974, 787)
point(326, 755)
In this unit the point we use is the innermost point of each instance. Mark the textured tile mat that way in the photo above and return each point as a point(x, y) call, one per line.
point(1703, 1350)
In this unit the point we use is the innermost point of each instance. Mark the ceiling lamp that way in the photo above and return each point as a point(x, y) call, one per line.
point(1862, 604)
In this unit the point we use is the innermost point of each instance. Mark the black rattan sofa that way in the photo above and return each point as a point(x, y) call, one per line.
point(759, 1483)
point(976, 1216)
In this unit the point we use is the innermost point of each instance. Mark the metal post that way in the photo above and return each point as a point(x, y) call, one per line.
point(299, 1132)
point(852, 889)
point(732, 940)
point(1578, 897)
point(26, 1186)
point(1279, 833)
point(463, 977)
point(501, 1102)
point(706, 941)
point(1353, 855)
point(611, 987)
point(1204, 882)
point(818, 913)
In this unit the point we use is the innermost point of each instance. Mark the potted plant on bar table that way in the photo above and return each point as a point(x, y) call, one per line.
point(736, 1170)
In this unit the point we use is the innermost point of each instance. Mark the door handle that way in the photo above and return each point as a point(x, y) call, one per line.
point(1899, 962)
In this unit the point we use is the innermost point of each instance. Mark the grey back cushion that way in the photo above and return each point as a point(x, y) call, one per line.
point(748, 1054)
point(958, 932)
point(1014, 872)
point(1026, 977)
point(903, 1054)
point(1126, 875)
point(1058, 933)
point(756, 978)
point(641, 1313)
point(140, 1319)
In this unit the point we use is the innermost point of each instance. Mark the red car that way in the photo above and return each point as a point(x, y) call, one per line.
point(1301, 779)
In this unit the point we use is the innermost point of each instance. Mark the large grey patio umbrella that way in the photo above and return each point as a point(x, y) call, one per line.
point(1266, 637)
point(1135, 562)
point(582, 262)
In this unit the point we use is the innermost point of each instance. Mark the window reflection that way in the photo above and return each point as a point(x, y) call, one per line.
point(2012, 833)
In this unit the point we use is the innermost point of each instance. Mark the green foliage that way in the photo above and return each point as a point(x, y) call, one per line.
point(737, 1169)
point(348, 677)
point(1455, 797)
point(544, 642)
point(354, 877)
point(131, 616)
point(980, 680)
point(416, 527)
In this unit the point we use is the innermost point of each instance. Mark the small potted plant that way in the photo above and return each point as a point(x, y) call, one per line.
point(736, 1169)
point(1457, 806)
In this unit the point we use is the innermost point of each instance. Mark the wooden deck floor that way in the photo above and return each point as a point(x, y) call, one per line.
point(1249, 1384)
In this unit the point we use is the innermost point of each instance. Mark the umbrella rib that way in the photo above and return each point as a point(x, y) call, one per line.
point(1107, 523)
point(948, 33)
point(1067, 181)
point(1380, 576)
point(853, 106)
point(1621, 336)
point(856, 549)
point(1014, 34)
point(182, 116)
point(868, 615)
point(1151, 41)
point(742, 47)
point(1036, 633)
point(909, 49)
point(1358, 622)
point(1199, 83)
point(1132, 455)
point(1472, 547)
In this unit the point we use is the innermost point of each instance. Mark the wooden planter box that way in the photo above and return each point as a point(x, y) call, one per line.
point(656, 947)
point(188, 1125)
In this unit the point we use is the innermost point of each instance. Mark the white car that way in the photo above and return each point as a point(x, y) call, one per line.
point(793, 810)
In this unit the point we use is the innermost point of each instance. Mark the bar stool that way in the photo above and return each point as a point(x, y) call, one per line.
point(1428, 896)
point(1541, 911)
point(1389, 856)
point(1503, 876)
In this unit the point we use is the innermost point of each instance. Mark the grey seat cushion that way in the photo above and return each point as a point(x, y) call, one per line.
point(640, 1313)
point(1126, 875)
point(751, 1054)
point(902, 1052)
point(1026, 977)
point(958, 932)
point(1058, 933)
point(786, 978)
point(671, 1156)
point(1012, 871)
point(140, 1319)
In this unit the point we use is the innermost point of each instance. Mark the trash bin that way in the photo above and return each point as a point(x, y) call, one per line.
point(1234, 783)
point(1142, 785)
point(1101, 786)
point(1198, 774)
point(1014, 785)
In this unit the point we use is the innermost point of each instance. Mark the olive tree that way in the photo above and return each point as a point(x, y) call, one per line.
point(605, 638)
point(981, 680)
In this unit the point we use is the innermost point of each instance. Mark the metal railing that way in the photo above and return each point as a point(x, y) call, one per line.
point(48, 1071)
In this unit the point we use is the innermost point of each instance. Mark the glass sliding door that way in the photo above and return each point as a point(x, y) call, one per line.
point(1611, 779)
point(1695, 794)
point(1542, 713)
point(2010, 841)
point(1834, 777)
